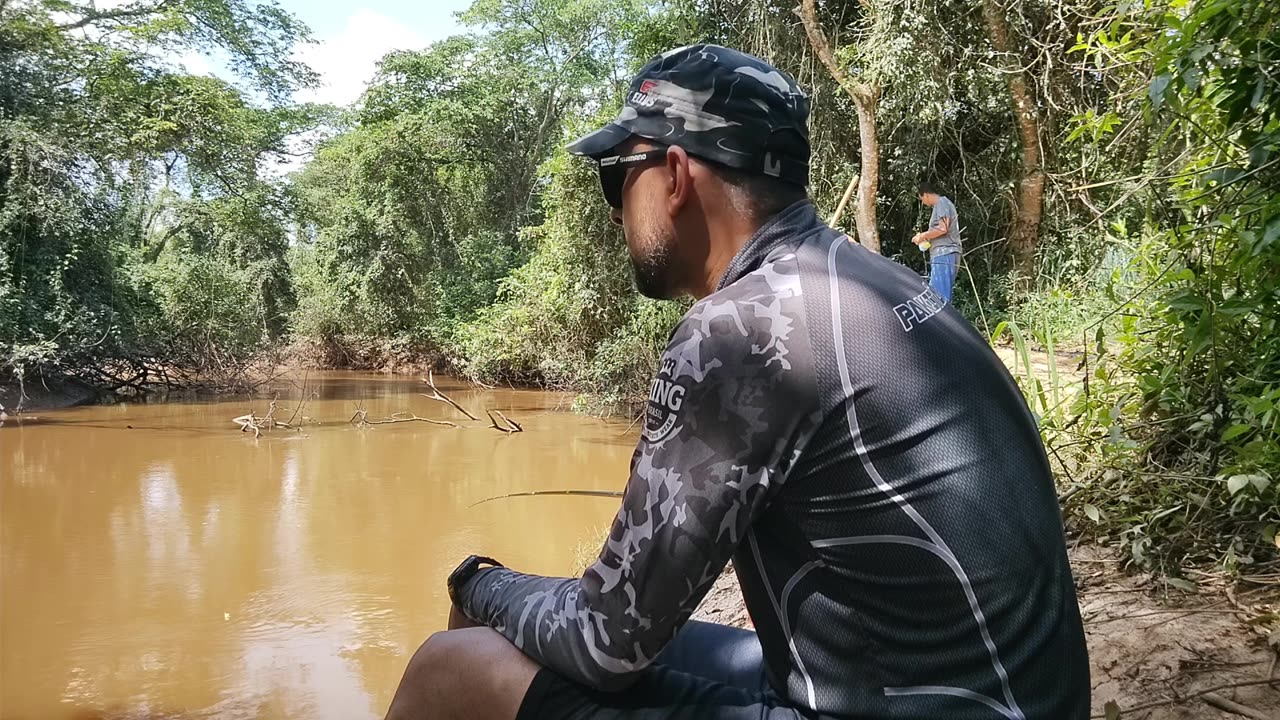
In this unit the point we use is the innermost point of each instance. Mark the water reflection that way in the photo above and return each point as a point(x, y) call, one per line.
point(155, 562)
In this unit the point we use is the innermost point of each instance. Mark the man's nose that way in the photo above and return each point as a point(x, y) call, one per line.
point(615, 214)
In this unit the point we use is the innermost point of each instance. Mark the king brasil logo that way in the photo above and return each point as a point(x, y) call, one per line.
point(666, 399)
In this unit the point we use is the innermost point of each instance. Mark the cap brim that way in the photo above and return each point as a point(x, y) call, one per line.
point(600, 142)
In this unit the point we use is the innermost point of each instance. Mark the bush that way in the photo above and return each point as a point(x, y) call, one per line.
point(619, 375)
point(209, 308)
point(572, 294)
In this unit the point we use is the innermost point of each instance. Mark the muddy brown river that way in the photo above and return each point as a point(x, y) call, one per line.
point(156, 562)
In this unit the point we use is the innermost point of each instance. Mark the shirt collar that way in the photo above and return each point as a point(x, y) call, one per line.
point(801, 217)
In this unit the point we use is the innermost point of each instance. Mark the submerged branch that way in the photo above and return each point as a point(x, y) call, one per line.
point(258, 424)
point(512, 425)
point(361, 419)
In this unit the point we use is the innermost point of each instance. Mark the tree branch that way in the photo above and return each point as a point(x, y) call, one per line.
point(437, 395)
point(513, 426)
point(865, 98)
point(361, 419)
point(1184, 698)
point(92, 15)
point(859, 91)
point(1234, 707)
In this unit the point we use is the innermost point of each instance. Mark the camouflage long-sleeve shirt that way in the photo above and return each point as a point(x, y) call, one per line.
point(824, 419)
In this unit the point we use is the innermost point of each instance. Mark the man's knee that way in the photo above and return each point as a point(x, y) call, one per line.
point(450, 668)
point(431, 656)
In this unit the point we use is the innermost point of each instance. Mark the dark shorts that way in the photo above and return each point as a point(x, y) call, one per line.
point(708, 671)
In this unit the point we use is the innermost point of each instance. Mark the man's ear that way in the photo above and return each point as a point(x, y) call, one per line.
point(681, 181)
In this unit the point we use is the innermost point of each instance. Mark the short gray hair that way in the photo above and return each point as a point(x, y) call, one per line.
point(757, 196)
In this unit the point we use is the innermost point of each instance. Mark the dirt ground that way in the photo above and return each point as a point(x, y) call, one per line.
point(1149, 655)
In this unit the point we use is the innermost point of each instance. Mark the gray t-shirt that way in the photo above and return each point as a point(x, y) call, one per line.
point(949, 243)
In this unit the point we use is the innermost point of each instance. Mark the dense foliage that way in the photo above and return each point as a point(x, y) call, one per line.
point(139, 233)
point(1115, 167)
point(1178, 437)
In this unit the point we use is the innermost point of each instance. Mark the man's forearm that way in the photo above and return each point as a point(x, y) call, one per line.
point(458, 619)
point(926, 235)
point(556, 623)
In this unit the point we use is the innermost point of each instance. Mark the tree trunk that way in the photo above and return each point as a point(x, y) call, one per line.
point(864, 213)
point(1029, 203)
point(865, 97)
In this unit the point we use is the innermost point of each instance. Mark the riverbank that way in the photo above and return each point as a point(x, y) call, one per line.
point(365, 354)
point(387, 357)
point(248, 375)
point(43, 395)
point(1153, 650)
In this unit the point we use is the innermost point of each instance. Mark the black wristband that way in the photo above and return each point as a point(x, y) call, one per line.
point(464, 572)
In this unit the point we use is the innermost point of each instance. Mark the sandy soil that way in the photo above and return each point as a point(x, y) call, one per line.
point(1143, 649)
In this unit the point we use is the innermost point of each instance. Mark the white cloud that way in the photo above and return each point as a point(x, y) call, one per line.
point(346, 60)
point(196, 63)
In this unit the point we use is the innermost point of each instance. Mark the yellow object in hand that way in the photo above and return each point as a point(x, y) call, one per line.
point(925, 245)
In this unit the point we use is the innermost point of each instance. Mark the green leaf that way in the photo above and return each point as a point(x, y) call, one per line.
point(1235, 431)
point(1093, 512)
point(1158, 85)
point(1191, 77)
point(1269, 235)
point(1185, 585)
point(1236, 483)
point(1225, 175)
point(1259, 154)
point(1112, 710)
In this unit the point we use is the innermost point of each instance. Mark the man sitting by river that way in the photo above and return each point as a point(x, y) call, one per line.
point(820, 418)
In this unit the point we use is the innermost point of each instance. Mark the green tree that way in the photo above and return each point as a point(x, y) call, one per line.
point(110, 158)
point(421, 207)
point(1183, 410)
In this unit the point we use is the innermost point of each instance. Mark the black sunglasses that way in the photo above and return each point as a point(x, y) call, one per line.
point(613, 171)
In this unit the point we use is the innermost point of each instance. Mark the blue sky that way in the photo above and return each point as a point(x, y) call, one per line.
point(352, 36)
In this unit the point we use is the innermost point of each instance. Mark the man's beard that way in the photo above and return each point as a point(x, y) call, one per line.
point(651, 264)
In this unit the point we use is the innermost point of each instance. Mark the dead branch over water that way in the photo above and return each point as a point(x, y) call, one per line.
point(360, 418)
point(430, 380)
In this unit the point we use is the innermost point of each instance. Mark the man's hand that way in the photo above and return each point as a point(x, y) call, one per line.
point(917, 238)
point(458, 619)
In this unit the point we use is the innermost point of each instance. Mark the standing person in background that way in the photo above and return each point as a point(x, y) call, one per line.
point(941, 240)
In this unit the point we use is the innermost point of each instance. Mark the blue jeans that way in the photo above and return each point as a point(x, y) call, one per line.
point(706, 672)
point(942, 273)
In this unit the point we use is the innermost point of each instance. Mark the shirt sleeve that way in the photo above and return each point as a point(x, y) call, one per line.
point(727, 414)
point(941, 209)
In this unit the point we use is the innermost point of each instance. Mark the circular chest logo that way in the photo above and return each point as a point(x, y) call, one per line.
point(666, 400)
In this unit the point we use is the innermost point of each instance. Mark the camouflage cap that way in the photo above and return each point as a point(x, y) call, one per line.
point(718, 104)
